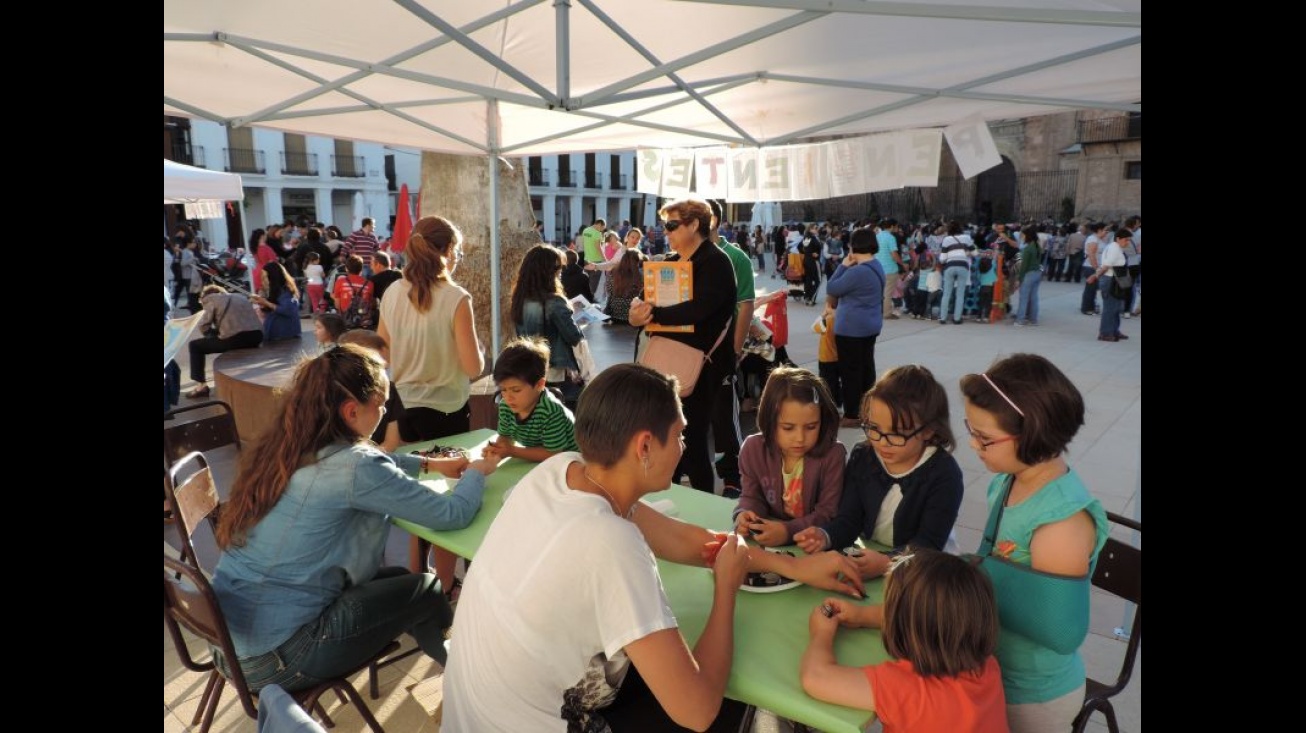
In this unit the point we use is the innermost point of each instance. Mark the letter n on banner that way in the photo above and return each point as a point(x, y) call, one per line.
point(650, 171)
point(883, 172)
point(677, 172)
point(846, 160)
point(919, 159)
point(743, 175)
point(972, 146)
point(710, 166)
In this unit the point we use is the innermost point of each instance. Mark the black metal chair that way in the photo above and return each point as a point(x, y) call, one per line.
point(189, 603)
point(1119, 572)
point(193, 497)
point(211, 430)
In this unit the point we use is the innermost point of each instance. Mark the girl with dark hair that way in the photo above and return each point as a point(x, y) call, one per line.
point(261, 247)
point(279, 303)
point(539, 308)
point(300, 580)
point(792, 471)
point(1021, 414)
point(901, 486)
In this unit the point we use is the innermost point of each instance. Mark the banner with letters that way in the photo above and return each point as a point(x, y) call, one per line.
point(881, 162)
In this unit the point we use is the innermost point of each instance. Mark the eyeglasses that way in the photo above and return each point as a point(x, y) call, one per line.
point(984, 443)
point(896, 440)
point(674, 224)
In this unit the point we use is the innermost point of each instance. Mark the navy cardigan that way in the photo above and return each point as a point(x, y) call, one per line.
point(931, 499)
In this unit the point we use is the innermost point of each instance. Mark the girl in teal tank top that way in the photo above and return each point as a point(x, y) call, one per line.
point(1021, 414)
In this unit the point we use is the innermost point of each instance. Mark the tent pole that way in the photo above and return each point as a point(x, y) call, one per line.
point(492, 116)
point(562, 52)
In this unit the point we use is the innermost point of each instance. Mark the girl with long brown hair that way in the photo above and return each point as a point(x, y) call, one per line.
point(539, 308)
point(300, 578)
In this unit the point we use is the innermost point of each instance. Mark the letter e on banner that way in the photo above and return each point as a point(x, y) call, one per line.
point(972, 146)
point(677, 172)
point(920, 157)
point(650, 171)
point(743, 175)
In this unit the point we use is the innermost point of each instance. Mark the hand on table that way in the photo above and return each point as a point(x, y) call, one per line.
point(828, 570)
point(765, 532)
point(498, 449)
point(847, 615)
point(811, 540)
point(871, 564)
point(450, 467)
point(485, 464)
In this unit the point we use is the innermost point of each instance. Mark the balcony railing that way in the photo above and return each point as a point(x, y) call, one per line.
point(242, 160)
point(593, 179)
point(540, 177)
point(197, 156)
point(299, 164)
point(567, 179)
point(619, 182)
point(347, 166)
point(1111, 129)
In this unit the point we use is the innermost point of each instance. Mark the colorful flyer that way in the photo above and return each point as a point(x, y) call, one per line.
point(668, 283)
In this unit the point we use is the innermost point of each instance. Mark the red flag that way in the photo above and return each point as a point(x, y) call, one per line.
point(403, 223)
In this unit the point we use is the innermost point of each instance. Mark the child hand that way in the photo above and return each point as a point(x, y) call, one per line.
point(744, 520)
point(847, 614)
point(769, 533)
point(828, 570)
point(811, 540)
point(823, 621)
point(485, 464)
point(871, 564)
point(449, 467)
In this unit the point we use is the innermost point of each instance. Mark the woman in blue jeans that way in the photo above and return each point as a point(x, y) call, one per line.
point(1111, 261)
point(300, 578)
point(1029, 274)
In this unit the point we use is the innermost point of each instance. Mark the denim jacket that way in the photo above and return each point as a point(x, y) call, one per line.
point(552, 320)
point(325, 534)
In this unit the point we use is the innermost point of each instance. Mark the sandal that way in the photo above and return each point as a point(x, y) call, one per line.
point(455, 590)
point(200, 391)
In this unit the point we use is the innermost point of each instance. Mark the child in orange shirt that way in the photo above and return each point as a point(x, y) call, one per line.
point(827, 355)
point(943, 677)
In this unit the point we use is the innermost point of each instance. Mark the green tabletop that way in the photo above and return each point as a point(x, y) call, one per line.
point(770, 628)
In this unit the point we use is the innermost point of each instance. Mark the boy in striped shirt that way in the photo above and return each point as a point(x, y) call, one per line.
point(533, 423)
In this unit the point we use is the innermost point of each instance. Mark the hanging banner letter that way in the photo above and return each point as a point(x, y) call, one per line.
point(743, 175)
point(972, 146)
point(920, 157)
point(649, 161)
point(677, 172)
point(710, 166)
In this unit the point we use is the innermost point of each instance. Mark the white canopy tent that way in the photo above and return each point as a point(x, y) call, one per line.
point(184, 184)
point(533, 77)
point(584, 75)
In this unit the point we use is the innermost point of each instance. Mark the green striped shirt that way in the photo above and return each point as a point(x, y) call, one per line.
point(550, 425)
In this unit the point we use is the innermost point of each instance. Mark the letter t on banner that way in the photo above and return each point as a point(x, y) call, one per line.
point(972, 146)
point(710, 167)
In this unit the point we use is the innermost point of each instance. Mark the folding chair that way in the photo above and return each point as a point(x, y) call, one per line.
point(189, 602)
point(1119, 572)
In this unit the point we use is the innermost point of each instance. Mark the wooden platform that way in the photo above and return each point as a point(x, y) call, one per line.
point(250, 380)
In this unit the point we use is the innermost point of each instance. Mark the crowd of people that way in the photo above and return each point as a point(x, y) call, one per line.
point(300, 578)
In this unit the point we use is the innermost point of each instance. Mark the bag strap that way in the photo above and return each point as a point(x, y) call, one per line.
point(876, 272)
point(995, 519)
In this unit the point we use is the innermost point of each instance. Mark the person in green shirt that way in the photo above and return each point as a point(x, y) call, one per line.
point(725, 412)
point(592, 240)
point(1029, 273)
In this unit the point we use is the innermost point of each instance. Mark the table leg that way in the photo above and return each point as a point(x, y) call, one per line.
point(418, 550)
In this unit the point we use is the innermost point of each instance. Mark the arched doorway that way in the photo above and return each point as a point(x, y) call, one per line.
point(995, 193)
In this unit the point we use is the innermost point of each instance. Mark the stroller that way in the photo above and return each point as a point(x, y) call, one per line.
point(764, 348)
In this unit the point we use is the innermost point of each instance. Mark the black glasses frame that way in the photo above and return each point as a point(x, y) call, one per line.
point(897, 440)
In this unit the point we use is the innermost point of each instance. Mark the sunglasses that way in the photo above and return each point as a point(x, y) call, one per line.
point(674, 224)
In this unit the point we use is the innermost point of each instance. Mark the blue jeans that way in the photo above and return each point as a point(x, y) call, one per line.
point(353, 629)
point(1111, 306)
point(955, 280)
point(1028, 309)
point(1088, 302)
